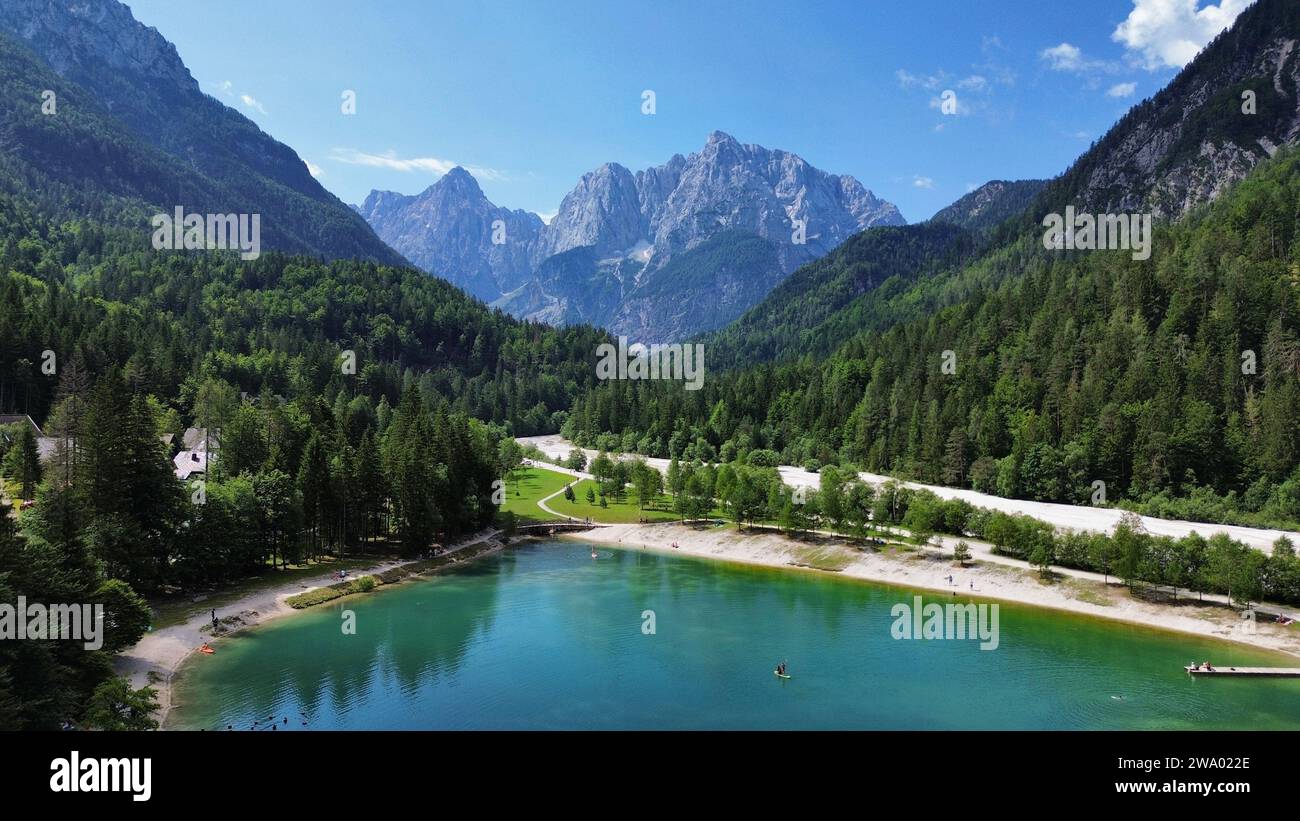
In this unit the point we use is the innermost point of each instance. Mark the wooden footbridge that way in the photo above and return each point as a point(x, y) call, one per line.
point(552, 528)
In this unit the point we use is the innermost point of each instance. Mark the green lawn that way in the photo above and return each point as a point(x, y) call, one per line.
point(617, 512)
point(525, 486)
point(532, 484)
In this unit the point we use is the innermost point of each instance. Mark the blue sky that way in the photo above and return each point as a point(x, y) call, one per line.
point(530, 95)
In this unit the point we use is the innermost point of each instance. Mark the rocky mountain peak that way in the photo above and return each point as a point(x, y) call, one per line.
point(616, 234)
point(87, 35)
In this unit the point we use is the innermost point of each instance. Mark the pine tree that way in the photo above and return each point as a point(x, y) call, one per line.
point(314, 489)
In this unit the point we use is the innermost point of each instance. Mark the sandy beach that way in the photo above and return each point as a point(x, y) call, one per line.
point(161, 652)
point(987, 577)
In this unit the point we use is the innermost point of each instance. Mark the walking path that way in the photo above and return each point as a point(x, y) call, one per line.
point(557, 469)
point(1073, 517)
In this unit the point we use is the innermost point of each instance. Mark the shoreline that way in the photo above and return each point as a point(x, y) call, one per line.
point(927, 570)
point(162, 652)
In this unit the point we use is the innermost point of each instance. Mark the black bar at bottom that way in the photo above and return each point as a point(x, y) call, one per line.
point(331, 770)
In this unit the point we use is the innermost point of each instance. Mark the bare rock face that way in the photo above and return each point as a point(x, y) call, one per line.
point(1228, 110)
point(602, 212)
point(729, 186)
point(452, 230)
point(82, 34)
point(632, 227)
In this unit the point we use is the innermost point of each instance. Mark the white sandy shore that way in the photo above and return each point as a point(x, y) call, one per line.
point(1073, 517)
point(1005, 579)
point(161, 652)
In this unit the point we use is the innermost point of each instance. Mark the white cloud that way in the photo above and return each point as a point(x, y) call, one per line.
point(252, 103)
point(314, 169)
point(1069, 57)
point(1122, 90)
point(940, 79)
point(1169, 33)
point(227, 89)
point(928, 81)
point(922, 182)
point(1064, 57)
point(390, 160)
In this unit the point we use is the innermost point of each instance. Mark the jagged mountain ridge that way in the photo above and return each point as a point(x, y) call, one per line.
point(635, 225)
point(450, 227)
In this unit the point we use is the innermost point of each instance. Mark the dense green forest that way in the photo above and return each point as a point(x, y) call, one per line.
point(1175, 381)
point(278, 323)
point(356, 407)
point(827, 301)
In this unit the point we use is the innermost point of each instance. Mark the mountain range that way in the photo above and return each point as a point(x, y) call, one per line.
point(646, 254)
point(703, 244)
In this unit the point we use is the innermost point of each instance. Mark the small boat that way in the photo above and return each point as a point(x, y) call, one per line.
point(207, 649)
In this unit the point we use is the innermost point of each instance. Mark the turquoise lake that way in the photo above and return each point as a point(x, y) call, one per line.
point(544, 637)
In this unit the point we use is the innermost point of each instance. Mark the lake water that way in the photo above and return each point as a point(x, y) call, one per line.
point(544, 637)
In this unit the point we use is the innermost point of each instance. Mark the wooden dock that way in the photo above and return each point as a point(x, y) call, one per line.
point(1273, 672)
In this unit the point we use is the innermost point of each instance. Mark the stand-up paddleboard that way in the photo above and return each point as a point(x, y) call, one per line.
point(779, 674)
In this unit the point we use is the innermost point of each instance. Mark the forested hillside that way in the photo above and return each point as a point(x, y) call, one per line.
point(1084, 366)
point(1183, 147)
point(119, 147)
point(356, 406)
point(824, 302)
point(988, 206)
